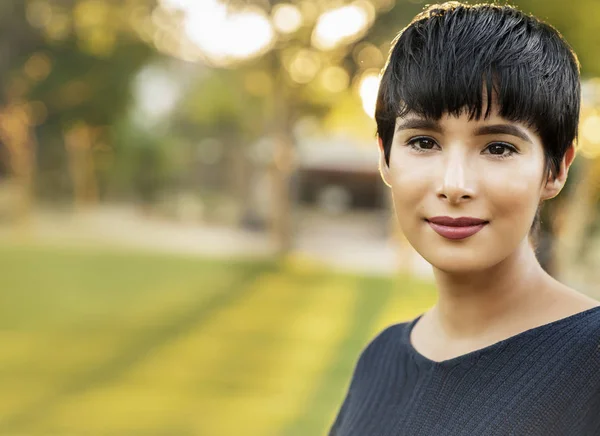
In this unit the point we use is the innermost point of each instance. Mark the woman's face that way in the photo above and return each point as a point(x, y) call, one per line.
point(489, 169)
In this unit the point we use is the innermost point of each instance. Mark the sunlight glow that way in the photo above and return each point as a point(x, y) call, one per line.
point(590, 131)
point(342, 25)
point(334, 79)
point(224, 35)
point(156, 94)
point(287, 18)
point(304, 66)
point(368, 88)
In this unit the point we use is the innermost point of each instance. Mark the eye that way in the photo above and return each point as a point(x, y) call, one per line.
point(501, 150)
point(421, 144)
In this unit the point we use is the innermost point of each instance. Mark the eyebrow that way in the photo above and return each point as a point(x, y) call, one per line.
point(419, 123)
point(503, 129)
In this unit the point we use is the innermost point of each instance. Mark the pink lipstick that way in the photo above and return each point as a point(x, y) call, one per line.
point(456, 228)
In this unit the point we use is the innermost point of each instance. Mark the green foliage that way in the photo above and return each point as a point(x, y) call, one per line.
point(91, 65)
point(74, 82)
point(218, 103)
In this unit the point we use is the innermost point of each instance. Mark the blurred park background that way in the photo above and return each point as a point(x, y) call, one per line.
point(194, 239)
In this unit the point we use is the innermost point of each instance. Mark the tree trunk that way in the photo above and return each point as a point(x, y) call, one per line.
point(79, 141)
point(16, 133)
point(240, 178)
point(281, 171)
point(282, 165)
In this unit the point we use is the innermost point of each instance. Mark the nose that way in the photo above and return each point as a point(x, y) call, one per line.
point(455, 186)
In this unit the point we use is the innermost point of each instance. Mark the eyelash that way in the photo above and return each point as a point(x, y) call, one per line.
point(512, 150)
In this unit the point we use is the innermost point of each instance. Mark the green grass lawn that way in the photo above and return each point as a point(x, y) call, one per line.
point(114, 343)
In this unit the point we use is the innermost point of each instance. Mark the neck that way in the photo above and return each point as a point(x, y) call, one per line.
point(474, 303)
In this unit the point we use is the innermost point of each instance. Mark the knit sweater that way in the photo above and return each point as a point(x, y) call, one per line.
point(544, 382)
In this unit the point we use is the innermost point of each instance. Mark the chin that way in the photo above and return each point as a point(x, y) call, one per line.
point(467, 255)
point(456, 266)
point(461, 260)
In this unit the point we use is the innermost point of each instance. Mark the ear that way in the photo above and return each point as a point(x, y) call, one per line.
point(554, 185)
point(384, 169)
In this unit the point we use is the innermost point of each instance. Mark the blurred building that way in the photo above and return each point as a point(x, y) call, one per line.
point(338, 174)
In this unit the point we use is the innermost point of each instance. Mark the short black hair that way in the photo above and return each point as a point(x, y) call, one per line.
point(452, 55)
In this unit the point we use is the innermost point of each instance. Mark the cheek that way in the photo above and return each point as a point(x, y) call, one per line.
point(513, 193)
point(506, 190)
point(410, 181)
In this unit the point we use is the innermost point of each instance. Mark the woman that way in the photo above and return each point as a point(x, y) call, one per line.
point(477, 118)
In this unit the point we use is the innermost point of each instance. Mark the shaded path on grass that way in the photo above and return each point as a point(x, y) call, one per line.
point(373, 294)
point(289, 331)
point(381, 303)
point(139, 348)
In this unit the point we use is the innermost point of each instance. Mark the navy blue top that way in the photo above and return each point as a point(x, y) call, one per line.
point(544, 381)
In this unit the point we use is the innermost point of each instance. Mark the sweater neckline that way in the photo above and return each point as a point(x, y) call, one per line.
point(474, 355)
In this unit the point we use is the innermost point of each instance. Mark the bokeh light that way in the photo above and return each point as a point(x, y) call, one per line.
point(590, 132)
point(304, 65)
point(38, 66)
point(342, 25)
point(156, 94)
point(334, 79)
point(367, 55)
point(368, 88)
point(224, 35)
point(39, 13)
point(287, 18)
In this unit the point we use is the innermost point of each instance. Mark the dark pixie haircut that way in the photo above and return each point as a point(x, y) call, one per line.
point(453, 54)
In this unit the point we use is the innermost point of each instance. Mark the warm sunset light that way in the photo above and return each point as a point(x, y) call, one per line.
point(342, 25)
point(368, 88)
point(224, 35)
point(590, 131)
point(334, 79)
point(304, 66)
point(287, 18)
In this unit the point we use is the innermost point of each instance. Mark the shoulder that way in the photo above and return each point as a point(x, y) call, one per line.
point(382, 347)
point(581, 341)
point(589, 330)
point(587, 326)
point(575, 317)
point(580, 359)
point(389, 336)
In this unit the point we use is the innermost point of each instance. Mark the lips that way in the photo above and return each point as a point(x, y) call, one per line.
point(456, 228)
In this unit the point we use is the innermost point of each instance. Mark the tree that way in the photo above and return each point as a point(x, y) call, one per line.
point(306, 72)
point(66, 67)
